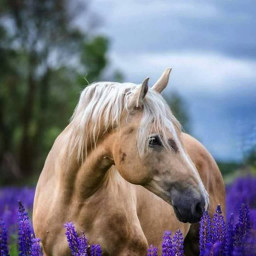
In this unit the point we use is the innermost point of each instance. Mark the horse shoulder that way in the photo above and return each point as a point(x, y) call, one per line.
point(47, 195)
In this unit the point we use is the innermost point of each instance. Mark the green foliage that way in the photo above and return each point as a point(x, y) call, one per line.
point(93, 58)
point(13, 245)
point(250, 158)
point(179, 109)
point(227, 168)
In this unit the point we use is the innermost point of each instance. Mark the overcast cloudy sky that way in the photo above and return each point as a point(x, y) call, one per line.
point(211, 46)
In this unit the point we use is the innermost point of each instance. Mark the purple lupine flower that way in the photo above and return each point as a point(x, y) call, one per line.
point(150, 250)
point(154, 251)
point(229, 240)
point(77, 244)
point(26, 233)
point(82, 245)
point(167, 244)
point(205, 232)
point(238, 237)
point(207, 250)
point(72, 237)
point(250, 243)
point(237, 251)
point(3, 239)
point(95, 250)
point(217, 248)
point(213, 249)
point(9, 198)
point(244, 219)
point(36, 249)
point(253, 218)
point(242, 230)
point(242, 190)
point(218, 226)
point(178, 248)
point(98, 250)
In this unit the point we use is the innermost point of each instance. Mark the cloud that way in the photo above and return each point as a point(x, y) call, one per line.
point(209, 73)
point(139, 26)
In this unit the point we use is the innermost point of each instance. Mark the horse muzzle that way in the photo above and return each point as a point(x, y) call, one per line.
point(188, 205)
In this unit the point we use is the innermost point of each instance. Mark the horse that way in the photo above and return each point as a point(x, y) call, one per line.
point(124, 172)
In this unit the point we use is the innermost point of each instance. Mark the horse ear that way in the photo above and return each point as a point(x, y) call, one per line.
point(138, 97)
point(162, 81)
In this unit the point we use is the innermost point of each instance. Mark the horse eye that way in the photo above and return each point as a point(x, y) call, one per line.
point(154, 141)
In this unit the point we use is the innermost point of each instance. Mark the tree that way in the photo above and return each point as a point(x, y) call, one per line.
point(38, 84)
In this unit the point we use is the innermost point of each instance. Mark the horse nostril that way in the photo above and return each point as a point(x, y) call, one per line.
point(198, 208)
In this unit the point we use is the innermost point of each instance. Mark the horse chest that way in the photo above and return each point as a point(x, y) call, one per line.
point(122, 234)
point(112, 222)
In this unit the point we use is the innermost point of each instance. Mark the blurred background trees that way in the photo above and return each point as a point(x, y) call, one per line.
point(179, 109)
point(44, 59)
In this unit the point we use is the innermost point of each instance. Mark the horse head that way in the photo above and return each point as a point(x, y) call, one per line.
point(148, 151)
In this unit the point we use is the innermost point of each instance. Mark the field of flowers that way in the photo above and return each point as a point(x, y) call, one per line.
point(236, 236)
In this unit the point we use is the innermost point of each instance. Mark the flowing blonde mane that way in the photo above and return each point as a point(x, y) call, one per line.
point(100, 108)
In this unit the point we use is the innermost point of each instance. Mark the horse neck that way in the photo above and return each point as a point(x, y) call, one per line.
point(86, 177)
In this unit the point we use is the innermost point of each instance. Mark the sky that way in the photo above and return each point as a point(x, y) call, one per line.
point(211, 46)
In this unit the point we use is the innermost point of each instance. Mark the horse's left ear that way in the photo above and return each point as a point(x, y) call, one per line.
point(162, 82)
point(137, 98)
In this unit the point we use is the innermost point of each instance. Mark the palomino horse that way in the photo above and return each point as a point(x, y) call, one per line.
point(123, 172)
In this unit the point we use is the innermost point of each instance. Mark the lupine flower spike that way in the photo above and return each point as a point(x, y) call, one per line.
point(152, 251)
point(178, 249)
point(95, 250)
point(155, 251)
point(72, 238)
point(98, 250)
point(244, 219)
point(229, 241)
point(205, 232)
point(26, 233)
point(242, 229)
point(167, 244)
point(92, 251)
point(218, 226)
point(3, 239)
point(218, 231)
point(82, 245)
point(78, 244)
point(36, 249)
